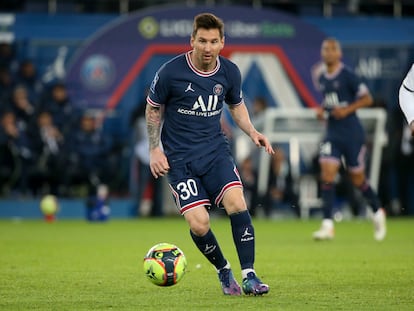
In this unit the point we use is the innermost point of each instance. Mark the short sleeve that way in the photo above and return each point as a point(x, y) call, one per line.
point(409, 80)
point(359, 88)
point(317, 72)
point(158, 93)
point(234, 96)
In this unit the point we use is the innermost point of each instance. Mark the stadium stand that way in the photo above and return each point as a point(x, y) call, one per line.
point(46, 34)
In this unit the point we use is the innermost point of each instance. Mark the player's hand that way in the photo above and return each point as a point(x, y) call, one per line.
point(261, 141)
point(340, 112)
point(158, 162)
point(412, 128)
point(320, 113)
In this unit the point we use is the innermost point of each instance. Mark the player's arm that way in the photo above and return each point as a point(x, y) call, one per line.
point(406, 97)
point(316, 72)
point(320, 113)
point(241, 116)
point(362, 102)
point(158, 161)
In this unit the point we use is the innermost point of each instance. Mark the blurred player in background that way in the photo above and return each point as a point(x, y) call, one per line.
point(188, 94)
point(407, 98)
point(344, 93)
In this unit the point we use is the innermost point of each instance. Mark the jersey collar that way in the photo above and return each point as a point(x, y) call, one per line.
point(199, 72)
point(335, 73)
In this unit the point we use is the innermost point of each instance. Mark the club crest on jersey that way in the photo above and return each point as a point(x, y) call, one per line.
point(218, 89)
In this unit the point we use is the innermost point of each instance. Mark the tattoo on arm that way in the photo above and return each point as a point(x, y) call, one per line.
point(153, 118)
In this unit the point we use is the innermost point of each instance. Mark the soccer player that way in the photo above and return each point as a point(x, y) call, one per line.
point(343, 93)
point(407, 98)
point(188, 93)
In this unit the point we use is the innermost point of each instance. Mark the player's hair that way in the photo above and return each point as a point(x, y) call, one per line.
point(333, 40)
point(207, 21)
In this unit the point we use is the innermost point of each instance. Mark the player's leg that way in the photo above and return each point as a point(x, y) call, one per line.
point(204, 239)
point(242, 228)
point(357, 174)
point(244, 239)
point(223, 181)
point(329, 170)
point(329, 165)
point(192, 199)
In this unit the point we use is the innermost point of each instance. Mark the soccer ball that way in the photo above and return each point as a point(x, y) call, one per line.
point(49, 205)
point(165, 264)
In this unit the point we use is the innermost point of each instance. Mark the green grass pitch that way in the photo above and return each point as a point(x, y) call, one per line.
point(75, 265)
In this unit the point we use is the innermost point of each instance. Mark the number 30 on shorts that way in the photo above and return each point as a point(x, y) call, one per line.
point(187, 188)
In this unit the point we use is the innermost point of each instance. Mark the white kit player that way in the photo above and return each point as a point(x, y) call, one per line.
point(407, 98)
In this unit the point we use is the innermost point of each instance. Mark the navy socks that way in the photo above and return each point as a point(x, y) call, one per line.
point(370, 196)
point(243, 236)
point(328, 196)
point(244, 240)
point(208, 245)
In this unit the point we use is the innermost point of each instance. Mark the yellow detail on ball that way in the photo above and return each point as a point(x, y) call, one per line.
point(165, 264)
point(49, 205)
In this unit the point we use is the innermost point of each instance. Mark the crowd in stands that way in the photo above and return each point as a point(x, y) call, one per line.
point(50, 146)
point(47, 145)
point(296, 7)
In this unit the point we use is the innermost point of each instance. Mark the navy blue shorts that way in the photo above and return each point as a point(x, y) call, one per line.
point(204, 181)
point(352, 152)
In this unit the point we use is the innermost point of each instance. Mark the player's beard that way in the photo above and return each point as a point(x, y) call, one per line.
point(331, 63)
point(203, 62)
point(207, 61)
point(331, 60)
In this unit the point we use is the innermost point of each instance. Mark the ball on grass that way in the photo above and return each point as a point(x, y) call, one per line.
point(165, 264)
point(49, 205)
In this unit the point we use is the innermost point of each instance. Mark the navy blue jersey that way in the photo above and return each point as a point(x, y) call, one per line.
point(340, 89)
point(193, 101)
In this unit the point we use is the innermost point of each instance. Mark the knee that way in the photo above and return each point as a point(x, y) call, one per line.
point(328, 172)
point(199, 228)
point(199, 225)
point(233, 201)
point(235, 206)
point(328, 177)
point(357, 180)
